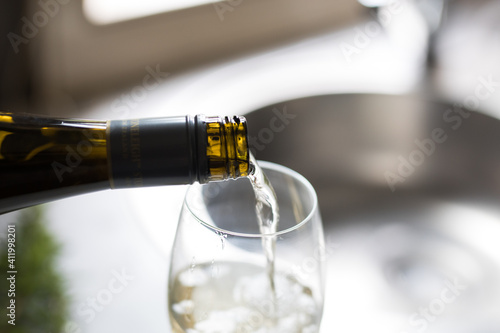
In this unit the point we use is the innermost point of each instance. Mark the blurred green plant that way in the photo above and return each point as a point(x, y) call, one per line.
point(41, 304)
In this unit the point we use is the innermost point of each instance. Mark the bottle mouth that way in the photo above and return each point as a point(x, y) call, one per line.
point(227, 148)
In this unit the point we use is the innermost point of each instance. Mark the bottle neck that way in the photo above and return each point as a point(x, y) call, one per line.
point(226, 148)
point(176, 150)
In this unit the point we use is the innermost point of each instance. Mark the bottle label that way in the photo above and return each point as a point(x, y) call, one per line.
point(151, 152)
point(125, 159)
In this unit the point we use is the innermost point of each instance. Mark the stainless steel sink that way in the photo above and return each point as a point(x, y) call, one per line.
point(409, 192)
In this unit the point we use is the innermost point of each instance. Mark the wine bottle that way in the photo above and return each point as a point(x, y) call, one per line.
point(44, 159)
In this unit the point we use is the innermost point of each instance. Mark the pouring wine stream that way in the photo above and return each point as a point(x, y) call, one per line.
point(267, 212)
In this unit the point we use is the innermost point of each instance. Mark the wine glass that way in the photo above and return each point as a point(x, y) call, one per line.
point(220, 278)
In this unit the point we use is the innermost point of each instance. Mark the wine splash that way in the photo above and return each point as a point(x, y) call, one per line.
point(238, 301)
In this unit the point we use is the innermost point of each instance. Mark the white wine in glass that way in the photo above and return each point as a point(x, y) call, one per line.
point(219, 278)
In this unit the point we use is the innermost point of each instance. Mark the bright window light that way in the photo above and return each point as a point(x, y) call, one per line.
point(111, 11)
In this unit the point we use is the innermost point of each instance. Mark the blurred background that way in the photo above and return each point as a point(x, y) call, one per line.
point(360, 80)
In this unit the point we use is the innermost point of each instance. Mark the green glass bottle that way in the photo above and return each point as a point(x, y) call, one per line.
point(44, 159)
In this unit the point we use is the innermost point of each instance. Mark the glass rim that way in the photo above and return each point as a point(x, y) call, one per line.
point(264, 165)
